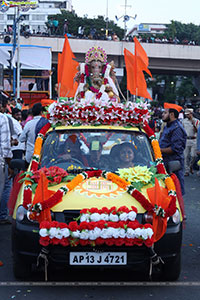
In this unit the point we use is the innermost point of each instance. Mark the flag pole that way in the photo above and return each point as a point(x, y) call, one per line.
point(135, 70)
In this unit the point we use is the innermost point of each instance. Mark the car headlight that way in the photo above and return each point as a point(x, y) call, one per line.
point(21, 213)
point(176, 218)
point(148, 217)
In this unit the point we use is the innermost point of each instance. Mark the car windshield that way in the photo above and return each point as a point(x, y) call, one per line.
point(106, 150)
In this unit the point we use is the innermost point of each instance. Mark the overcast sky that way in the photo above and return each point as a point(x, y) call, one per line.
point(147, 11)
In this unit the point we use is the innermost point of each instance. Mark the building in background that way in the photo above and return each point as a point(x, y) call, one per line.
point(34, 19)
point(148, 28)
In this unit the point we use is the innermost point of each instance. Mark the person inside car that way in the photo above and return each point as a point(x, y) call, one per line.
point(126, 155)
point(72, 150)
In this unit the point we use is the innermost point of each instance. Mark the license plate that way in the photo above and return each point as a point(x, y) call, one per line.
point(94, 259)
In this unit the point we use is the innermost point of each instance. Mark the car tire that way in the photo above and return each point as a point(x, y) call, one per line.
point(21, 269)
point(172, 269)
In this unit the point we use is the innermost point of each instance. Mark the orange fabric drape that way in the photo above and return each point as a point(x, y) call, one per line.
point(67, 68)
point(41, 194)
point(136, 82)
point(158, 195)
point(140, 52)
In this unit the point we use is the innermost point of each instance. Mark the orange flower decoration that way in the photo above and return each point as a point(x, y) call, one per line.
point(75, 181)
point(38, 146)
point(156, 149)
point(170, 184)
point(119, 181)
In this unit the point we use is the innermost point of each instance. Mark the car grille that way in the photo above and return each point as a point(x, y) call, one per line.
point(70, 215)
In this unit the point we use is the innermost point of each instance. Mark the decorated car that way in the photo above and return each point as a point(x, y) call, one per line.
point(97, 194)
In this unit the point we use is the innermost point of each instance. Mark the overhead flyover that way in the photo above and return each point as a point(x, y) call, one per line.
point(163, 58)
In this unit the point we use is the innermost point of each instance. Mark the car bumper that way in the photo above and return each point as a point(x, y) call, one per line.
point(25, 243)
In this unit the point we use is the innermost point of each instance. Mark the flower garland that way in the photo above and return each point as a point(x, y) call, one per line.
point(142, 199)
point(113, 214)
point(156, 149)
point(124, 229)
point(57, 197)
point(96, 112)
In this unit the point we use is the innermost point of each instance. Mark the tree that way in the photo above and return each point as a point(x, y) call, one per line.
point(186, 90)
point(184, 32)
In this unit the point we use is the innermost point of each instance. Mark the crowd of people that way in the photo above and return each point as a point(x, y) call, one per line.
point(164, 40)
point(18, 129)
point(176, 128)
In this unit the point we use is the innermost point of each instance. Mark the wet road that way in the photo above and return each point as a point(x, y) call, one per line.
point(188, 283)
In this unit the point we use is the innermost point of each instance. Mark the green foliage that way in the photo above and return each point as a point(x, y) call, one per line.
point(74, 21)
point(170, 87)
point(189, 32)
point(186, 88)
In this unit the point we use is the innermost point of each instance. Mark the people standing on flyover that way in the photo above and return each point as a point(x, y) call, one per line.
point(173, 139)
point(65, 27)
point(191, 125)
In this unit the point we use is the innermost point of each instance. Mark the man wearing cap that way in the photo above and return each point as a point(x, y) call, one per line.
point(190, 125)
point(173, 139)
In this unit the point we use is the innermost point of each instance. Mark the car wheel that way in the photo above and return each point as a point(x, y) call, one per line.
point(172, 269)
point(21, 269)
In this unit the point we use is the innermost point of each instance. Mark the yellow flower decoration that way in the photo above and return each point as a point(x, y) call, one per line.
point(136, 174)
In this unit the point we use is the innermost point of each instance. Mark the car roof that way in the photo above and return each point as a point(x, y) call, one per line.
point(100, 127)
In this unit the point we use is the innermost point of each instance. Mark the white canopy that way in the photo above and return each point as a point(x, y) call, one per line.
point(31, 57)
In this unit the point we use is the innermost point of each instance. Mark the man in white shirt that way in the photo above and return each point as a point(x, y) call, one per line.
point(190, 125)
point(18, 149)
point(28, 133)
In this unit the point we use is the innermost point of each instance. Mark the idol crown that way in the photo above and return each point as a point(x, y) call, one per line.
point(96, 53)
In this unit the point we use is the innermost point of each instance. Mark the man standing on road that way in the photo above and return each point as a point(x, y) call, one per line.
point(173, 139)
point(190, 125)
point(28, 133)
point(5, 149)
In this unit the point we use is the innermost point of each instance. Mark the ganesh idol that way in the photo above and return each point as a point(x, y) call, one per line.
point(96, 77)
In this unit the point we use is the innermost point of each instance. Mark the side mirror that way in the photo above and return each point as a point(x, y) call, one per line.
point(173, 166)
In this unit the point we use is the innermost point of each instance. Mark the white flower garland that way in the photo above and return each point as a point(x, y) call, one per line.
point(95, 217)
point(105, 233)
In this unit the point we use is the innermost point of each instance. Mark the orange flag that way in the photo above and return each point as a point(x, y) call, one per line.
point(136, 82)
point(140, 52)
point(41, 194)
point(158, 196)
point(67, 68)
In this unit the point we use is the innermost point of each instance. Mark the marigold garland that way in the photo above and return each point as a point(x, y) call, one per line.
point(38, 145)
point(169, 183)
point(116, 179)
point(156, 149)
point(57, 197)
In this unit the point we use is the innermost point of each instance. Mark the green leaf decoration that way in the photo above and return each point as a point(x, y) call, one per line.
point(26, 178)
point(68, 178)
point(137, 185)
point(27, 173)
point(34, 186)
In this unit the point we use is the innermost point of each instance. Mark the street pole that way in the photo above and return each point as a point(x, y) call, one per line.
point(18, 56)
point(107, 19)
point(13, 52)
point(125, 27)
